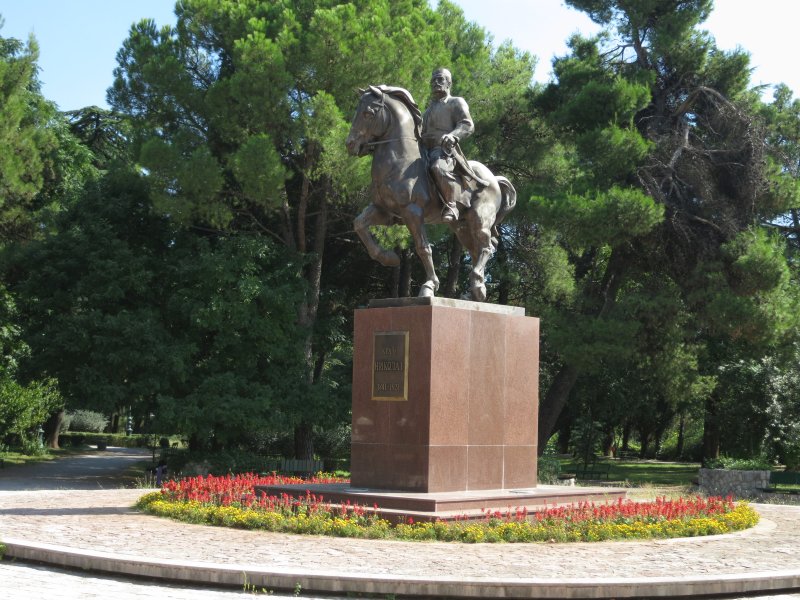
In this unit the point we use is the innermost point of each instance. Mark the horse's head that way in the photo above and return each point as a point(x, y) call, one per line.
point(370, 122)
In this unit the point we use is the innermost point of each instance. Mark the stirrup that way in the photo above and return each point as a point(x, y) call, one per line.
point(449, 214)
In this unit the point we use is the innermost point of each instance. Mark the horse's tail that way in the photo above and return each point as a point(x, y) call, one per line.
point(508, 200)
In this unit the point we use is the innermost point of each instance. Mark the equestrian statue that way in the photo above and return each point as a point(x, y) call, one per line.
point(420, 175)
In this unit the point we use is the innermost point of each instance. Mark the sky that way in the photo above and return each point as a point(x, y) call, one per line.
point(79, 39)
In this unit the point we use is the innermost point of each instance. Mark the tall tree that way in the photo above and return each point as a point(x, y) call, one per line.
point(42, 168)
point(669, 157)
point(133, 315)
point(239, 118)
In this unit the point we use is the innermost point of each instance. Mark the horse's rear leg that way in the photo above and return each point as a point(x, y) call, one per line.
point(481, 252)
point(373, 215)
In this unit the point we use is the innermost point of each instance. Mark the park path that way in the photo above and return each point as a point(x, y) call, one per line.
point(85, 512)
point(104, 469)
point(100, 470)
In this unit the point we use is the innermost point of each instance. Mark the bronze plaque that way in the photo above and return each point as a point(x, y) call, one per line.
point(390, 366)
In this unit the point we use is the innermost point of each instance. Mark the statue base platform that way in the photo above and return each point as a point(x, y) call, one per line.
point(445, 396)
point(398, 507)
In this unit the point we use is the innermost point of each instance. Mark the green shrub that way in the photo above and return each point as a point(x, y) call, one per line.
point(87, 420)
point(549, 468)
point(792, 458)
point(81, 438)
point(30, 445)
point(740, 464)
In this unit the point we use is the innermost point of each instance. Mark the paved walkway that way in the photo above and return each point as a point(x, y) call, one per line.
point(95, 470)
point(97, 529)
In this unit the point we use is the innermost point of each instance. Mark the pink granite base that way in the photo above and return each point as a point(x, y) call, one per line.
point(398, 507)
point(470, 418)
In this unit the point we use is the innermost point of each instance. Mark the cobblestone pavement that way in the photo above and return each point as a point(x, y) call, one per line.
point(102, 520)
point(21, 581)
point(71, 503)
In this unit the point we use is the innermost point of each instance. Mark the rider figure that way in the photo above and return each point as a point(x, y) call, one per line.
point(445, 122)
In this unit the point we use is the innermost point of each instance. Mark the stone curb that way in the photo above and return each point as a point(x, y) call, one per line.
point(236, 575)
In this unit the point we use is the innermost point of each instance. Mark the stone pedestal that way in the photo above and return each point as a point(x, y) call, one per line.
point(445, 396)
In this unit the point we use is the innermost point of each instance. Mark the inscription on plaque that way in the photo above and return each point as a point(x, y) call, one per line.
point(390, 366)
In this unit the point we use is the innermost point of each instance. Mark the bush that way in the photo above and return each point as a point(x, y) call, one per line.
point(791, 457)
point(333, 443)
point(740, 464)
point(81, 438)
point(30, 445)
point(87, 420)
point(549, 469)
point(23, 408)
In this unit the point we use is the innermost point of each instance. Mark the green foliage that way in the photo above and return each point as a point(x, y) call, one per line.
point(740, 464)
point(217, 317)
point(238, 115)
point(548, 470)
point(242, 365)
point(43, 165)
point(23, 408)
point(22, 128)
point(85, 420)
point(658, 226)
point(592, 220)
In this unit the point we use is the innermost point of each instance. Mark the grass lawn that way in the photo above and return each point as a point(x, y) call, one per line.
point(12, 459)
point(642, 472)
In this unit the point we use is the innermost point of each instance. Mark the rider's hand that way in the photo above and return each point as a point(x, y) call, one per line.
point(448, 141)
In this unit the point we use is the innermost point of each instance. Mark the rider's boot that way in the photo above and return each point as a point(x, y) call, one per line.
point(450, 213)
point(450, 192)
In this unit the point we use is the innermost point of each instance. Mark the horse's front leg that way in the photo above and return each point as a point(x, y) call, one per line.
point(415, 221)
point(374, 215)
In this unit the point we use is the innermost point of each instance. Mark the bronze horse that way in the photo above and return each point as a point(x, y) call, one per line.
point(386, 124)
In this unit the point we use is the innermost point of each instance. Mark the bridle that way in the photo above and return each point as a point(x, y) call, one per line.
point(380, 108)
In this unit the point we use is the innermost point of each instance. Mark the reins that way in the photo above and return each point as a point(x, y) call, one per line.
point(382, 108)
point(379, 142)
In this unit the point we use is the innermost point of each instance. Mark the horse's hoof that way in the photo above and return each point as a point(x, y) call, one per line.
point(427, 290)
point(479, 293)
point(388, 258)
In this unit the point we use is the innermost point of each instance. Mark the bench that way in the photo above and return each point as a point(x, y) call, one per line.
point(784, 478)
point(298, 466)
point(595, 469)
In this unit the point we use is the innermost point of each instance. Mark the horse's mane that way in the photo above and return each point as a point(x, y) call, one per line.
point(404, 96)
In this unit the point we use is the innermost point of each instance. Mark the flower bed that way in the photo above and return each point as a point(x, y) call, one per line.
point(230, 501)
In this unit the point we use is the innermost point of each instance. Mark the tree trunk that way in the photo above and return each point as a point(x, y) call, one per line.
point(394, 282)
point(564, 429)
point(626, 436)
point(556, 398)
point(608, 442)
point(554, 402)
point(195, 443)
point(711, 433)
point(504, 287)
point(681, 430)
point(563, 440)
point(303, 441)
point(309, 308)
point(406, 263)
point(644, 438)
point(52, 429)
point(454, 261)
